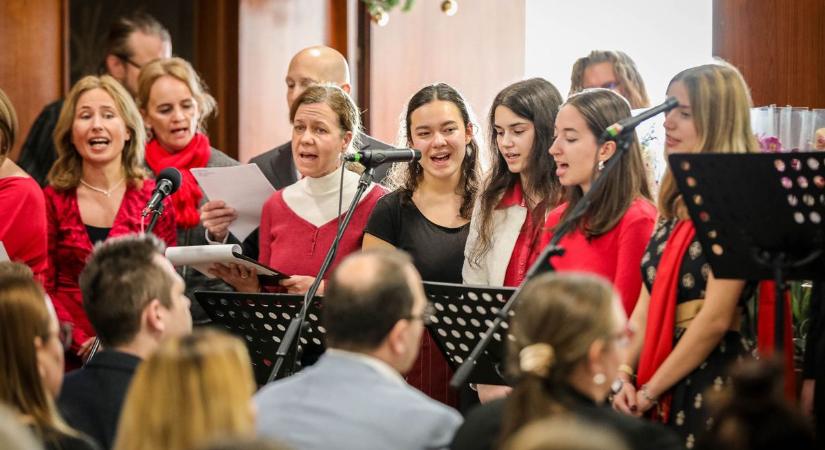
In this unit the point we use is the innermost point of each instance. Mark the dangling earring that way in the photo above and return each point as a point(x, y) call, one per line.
point(599, 379)
point(601, 166)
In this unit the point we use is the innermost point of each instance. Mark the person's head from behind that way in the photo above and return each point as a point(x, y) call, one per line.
point(193, 389)
point(440, 123)
point(98, 126)
point(563, 433)
point(713, 116)
point(8, 126)
point(318, 64)
point(174, 102)
point(31, 369)
point(375, 304)
point(325, 124)
point(132, 42)
point(612, 70)
point(132, 295)
point(569, 331)
point(580, 157)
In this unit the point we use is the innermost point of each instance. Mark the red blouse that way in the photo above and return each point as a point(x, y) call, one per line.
point(526, 249)
point(615, 255)
point(23, 223)
point(70, 247)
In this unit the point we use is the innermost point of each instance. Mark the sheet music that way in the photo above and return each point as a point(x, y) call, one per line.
point(202, 257)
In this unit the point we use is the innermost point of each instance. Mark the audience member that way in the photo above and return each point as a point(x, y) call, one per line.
point(690, 318)
point(175, 105)
point(610, 238)
point(31, 369)
point(610, 69)
point(13, 435)
point(134, 299)
point(354, 397)
point(428, 214)
point(97, 189)
point(568, 336)
point(194, 389)
point(563, 433)
point(23, 222)
point(299, 222)
point(132, 42)
point(244, 443)
point(752, 413)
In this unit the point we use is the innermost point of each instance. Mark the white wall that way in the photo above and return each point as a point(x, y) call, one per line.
point(662, 36)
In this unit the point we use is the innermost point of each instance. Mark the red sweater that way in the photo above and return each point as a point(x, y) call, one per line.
point(615, 255)
point(23, 223)
point(294, 246)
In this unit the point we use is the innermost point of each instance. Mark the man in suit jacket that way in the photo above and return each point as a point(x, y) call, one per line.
point(354, 397)
point(134, 299)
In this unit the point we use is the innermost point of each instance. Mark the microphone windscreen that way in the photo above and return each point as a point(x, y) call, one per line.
point(171, 174)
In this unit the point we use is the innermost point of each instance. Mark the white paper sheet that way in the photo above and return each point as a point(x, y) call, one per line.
point(3, 255)
point(202, 257)
point(243, 187)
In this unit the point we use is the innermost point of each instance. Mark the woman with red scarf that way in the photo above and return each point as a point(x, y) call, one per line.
point(689, 318)
point(175, 105)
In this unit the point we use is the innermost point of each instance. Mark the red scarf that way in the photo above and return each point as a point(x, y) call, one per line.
point(766, 330)
point(661, 315)
point(187, 199)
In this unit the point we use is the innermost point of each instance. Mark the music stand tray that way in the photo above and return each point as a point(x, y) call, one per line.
point(462, 315)
point(261, 321)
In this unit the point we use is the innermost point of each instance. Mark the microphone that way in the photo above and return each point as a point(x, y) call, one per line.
point(168, 181)
point(627, 125)
point(372, 158)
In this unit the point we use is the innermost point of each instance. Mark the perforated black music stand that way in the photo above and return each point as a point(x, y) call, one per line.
point(261, 321)
point(757, 216)
point(463, 313)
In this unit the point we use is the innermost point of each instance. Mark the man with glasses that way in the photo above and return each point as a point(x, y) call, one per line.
point(354, 397)
point(132, 42)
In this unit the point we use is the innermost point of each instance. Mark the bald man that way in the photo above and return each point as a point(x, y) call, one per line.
point(312, 65)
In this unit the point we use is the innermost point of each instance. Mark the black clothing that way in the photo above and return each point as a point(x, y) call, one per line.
point(92, 397)
point(437, 252)
point(97, 234)
point(482, 427)
point(55, 440)
point(814, 364)
point(38, 153)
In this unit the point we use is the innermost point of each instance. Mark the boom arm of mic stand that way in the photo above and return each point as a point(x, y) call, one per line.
point(552, 249)
point(293, 332)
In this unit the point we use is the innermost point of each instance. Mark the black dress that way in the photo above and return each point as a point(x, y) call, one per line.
point(688, 415)
point(438, 255)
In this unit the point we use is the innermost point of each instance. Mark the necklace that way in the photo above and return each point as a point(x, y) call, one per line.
point(103, 191)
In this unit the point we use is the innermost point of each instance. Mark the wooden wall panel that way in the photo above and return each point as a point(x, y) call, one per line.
point(478, 51)
point(778, 45)
point(33, 67)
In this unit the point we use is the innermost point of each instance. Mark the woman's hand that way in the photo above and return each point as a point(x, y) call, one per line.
point(489, 392)
point(625, 400)
point(216, 218)
point(644, 400)
point(240, 278)
point(299, 284)
point(86, 349)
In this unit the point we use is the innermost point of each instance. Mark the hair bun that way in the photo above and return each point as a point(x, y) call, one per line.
point(536, 359)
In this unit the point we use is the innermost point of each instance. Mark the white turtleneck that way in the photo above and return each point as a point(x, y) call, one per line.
point(316, 199)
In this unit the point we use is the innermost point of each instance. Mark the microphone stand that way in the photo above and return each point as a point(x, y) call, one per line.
point(296, 326)
point(543, 264)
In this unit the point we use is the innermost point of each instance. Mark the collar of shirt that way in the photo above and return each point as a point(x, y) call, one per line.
point(514, 196)
point(379, 366)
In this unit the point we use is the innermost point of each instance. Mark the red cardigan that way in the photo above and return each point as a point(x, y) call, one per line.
point(70, 247)
point(615, 255)
point(23, 223)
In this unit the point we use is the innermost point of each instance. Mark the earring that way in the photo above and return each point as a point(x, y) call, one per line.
point(599, 379)
point(601, 166)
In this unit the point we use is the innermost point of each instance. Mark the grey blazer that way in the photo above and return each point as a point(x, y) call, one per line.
point(344, 403)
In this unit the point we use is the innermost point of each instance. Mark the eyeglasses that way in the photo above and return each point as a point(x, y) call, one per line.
point(64, 335)
point(129, 61)
point(426, 316)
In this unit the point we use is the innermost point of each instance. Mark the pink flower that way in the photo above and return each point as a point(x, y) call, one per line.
point(769, 144)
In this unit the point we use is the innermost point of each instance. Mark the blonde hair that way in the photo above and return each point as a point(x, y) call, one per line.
point(25, 317)
point(68, 168)
point(630, 82)
point(8, 126)
point(181, 70)
point(194, 389)
point(720, 102)
point(557, 319)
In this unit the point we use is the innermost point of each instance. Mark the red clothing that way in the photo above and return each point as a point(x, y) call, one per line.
point(70, 247)
point(294, 246)
point(526, 249)
point(615, 255)
point(23, 223)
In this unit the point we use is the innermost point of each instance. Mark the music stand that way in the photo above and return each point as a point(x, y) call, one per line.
point(261, 320)
point(757, 216)
point(463, 313)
